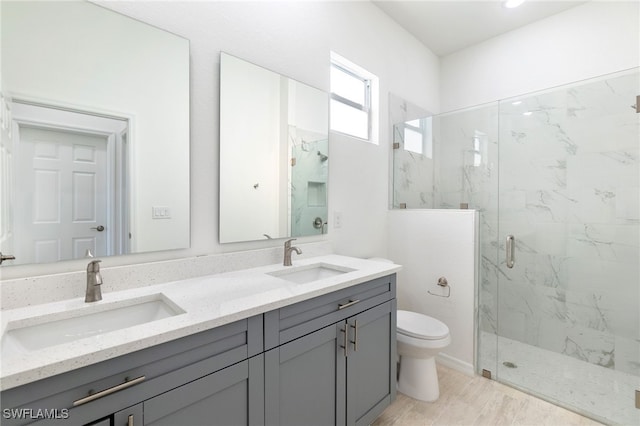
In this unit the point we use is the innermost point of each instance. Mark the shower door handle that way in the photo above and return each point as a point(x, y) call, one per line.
point(511, 248)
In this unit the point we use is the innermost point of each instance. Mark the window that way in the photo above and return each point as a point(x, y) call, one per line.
point(480, 143)
point(353, 97)
point(417, 136)
point(413, 136)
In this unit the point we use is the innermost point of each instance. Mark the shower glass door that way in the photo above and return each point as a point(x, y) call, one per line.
point(564, 319)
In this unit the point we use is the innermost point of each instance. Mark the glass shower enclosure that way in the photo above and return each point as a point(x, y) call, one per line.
point(556, 178)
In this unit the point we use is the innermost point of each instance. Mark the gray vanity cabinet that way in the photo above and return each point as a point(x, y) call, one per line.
point(232, 396)
point(340, 373)
point(371, 363)
point(305, 380)
point(324, 361)
point(133, 384)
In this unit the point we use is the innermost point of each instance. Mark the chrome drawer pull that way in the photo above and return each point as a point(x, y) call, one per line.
point(346, 305)
point(121, 386)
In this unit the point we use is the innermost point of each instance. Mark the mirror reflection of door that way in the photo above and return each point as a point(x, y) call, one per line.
point(6, 179)
point(68, 174)
point(64, 175)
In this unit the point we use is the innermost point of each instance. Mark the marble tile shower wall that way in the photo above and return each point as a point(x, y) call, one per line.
point(568, 164)
point(413, 177)
point(309, 179)
point(569, 188)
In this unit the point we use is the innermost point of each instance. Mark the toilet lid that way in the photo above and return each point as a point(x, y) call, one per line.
point(421, 326)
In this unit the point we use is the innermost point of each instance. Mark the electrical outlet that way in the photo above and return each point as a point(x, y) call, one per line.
point(337, 220)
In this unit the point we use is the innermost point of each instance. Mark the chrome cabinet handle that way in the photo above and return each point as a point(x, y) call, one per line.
point(511, 247)
point(130, 420)
point(346, 305)
point(121, 386)
point(355, 336)
point(345, 344)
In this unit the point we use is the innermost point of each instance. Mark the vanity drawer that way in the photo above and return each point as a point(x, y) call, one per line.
point(126, 380)
point(289, 323)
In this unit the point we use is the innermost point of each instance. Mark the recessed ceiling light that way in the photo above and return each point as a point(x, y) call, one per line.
point(510, 4)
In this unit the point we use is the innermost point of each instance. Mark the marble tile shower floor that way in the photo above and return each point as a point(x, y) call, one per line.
point(466, 400)
point(607, 393)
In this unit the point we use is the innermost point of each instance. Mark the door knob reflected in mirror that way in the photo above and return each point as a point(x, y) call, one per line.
point(4, 257)
point(100, 228)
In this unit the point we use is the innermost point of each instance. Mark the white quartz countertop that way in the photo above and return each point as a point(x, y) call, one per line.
point(208, 302)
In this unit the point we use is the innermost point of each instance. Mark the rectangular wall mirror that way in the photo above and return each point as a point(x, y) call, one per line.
point(273, 154)
point(95, 133)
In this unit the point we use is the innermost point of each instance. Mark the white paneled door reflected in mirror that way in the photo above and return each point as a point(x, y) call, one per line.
point(84, 159)
point(274, 154)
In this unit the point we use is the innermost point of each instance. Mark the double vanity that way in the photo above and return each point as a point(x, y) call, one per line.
point(312, 343)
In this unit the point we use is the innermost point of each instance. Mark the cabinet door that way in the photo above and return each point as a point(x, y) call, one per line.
point(305, 380)
point(232, 396)
point(371, 363)
point(131, 416)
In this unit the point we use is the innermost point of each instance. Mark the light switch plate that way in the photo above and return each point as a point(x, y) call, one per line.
point(161, 212)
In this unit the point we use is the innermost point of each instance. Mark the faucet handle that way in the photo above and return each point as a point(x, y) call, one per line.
point(94, 266)
point(288, 242)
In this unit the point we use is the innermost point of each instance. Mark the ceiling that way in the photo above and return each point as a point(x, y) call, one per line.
point(446, 26)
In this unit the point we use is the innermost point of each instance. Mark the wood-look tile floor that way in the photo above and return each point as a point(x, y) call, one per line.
point(466, 400)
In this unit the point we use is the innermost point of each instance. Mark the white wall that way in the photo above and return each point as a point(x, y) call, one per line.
point(430, 244)
point(597, 38)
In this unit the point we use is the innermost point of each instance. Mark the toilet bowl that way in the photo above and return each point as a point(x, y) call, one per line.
point(419, 339)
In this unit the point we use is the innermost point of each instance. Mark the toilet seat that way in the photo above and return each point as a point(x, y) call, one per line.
point(421, 326)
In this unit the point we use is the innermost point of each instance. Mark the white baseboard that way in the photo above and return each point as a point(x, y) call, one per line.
point(456, 364)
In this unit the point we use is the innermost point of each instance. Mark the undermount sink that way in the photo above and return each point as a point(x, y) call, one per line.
point(24, 336)
point(309, 273)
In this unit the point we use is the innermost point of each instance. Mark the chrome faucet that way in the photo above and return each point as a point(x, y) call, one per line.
point(287, 252)
point(94, 281)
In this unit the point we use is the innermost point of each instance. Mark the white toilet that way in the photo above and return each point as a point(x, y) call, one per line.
point(420, 338)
